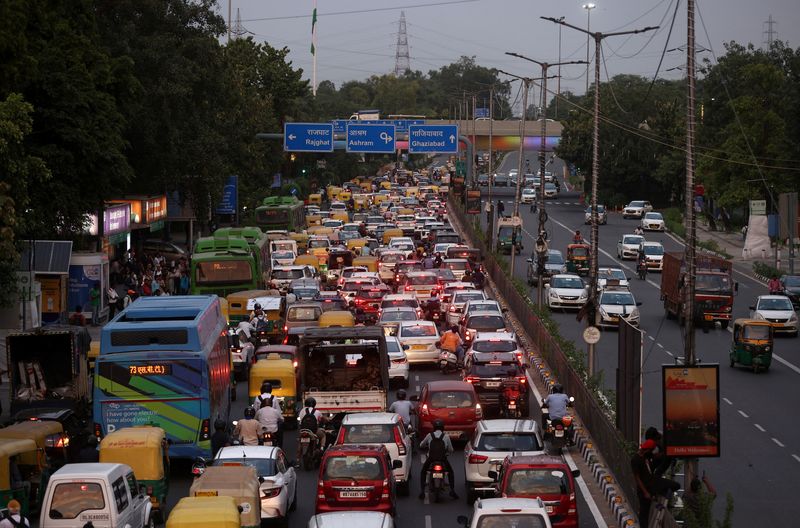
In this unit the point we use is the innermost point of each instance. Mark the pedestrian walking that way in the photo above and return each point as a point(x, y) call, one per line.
point(113, 302)
point(94, 300)
point(501, 209)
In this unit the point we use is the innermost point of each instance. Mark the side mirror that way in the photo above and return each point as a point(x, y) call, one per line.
point(576, 473)
point(406, 347)
point(752, 307)
point(638, 303)
point(492, 474)
point(397, 464)
point(463, 520)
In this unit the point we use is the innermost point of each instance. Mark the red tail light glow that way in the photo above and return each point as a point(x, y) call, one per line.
point(522, 379)
point(320, 492)
point(477, 459)
point(270, 493)
point(478, 411)
point(437, 467)
point(205, 429)
point(424, 411)
point(401, 447)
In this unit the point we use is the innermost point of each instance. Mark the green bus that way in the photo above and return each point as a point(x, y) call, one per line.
point(281, 212)
point(256, 239)
point(223, 265)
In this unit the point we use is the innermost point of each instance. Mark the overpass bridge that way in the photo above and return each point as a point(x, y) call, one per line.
point(505, 134)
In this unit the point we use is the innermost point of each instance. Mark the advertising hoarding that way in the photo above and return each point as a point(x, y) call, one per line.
point(691, 410)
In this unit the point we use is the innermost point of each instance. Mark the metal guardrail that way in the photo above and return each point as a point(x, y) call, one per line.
point(607, 439)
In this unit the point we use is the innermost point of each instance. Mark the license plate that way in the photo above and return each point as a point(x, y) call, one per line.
point(353, 494)
point(512, 405)
point(419, 347)
point(614, 319)
point(424, 292)
point(268, 443)
point(438, 475)
point(305, 440)
point(548, 509)
point(454, 434)
point(492, 384)
point(205, 493)
point(559, 433)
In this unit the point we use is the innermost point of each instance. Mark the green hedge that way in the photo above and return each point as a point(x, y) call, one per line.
point(765, 270)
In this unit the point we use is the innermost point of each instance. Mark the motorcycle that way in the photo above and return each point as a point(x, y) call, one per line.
point(269, 439)
point(198, 466)
point(436, 482)
point(433, 311)
point(511, 399)
point(260, 335)
point(310, 450)
point(559, 431)
point(479, 280)
point(641, 270)
point(448, 362)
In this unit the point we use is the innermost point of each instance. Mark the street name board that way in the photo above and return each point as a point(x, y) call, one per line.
point(400, 125)
point(228, 204)
point(370, 138)
point(758, 207)
point(481, 113)
point(308, 137)
point(442, 139)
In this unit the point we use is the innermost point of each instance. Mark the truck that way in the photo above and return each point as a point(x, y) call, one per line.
point(48, 369)
point(714, 288)
point(366, 115)
point(345, 369)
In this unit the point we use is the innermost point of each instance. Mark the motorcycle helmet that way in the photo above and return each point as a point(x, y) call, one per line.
point(438, 425)
point(558, 388)
point(249, 413)
point(310, 402)
point(401, 394)
point(256, 306)
point(219, 424)
point(266, 387)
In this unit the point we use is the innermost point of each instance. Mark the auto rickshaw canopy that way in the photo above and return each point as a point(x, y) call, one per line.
point(205, 512)
point(277, 370)
point(235, 480)
point(42, 432)
point(238, 303)
point(23, 448)
point(143, 448)
point(578, 251)
point(371, 263)
point(752, 330)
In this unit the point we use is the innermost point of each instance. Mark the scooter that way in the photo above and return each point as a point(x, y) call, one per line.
point(511, 399)
point(198, 466)
point(269, 439)
point(310, 451)
point(448, 362)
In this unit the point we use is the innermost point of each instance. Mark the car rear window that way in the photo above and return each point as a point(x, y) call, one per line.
point(469, 296)
point(456, 265)
point(369, 434)
point(287, 274)
point(418, 330)
point(72, 498)
point(371, 294)
point(353, 467)
point(537, 481)
point(303, 314)
point(508, 442)
point(265, 467)
point(423, 280)
point(496, 370)
point(400, 315)
point(452, 399)
point(509, 520)
point(494, 346)
point(330, 305)
point(411, 303)
point(484, 323)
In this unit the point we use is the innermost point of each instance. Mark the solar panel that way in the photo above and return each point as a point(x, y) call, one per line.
point(49, 256)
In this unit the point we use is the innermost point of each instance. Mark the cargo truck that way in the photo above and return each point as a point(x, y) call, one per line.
point(714, 288)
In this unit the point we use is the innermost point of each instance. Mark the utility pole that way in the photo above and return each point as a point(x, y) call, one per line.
point(558, 88)
point(541, 240)
point(490, 204)
point(588, 7)
point(474, 174)
point(598, 40)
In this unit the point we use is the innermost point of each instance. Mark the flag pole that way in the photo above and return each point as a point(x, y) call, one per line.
point(314, 50)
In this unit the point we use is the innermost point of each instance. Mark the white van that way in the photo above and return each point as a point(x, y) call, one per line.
point(107, 495)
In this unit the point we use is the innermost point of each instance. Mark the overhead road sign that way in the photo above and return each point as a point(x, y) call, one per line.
point(439, 139)
point(370, 138)
point(481, 113)
point(400, 125)
point(308, 137)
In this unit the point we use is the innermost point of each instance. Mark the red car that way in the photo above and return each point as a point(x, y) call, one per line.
point(356, 477)
point(453, 402)
point(545, 476)
point(368, 302)
point(403, 267)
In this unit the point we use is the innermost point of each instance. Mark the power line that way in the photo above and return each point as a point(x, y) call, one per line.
point(357, 11)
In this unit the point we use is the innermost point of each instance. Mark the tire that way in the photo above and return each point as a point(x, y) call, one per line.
point(724, 324)
point(472, 496)
point(151, 522)
point(403, 488)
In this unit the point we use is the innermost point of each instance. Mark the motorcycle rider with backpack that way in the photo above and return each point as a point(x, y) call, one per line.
point(310, 418)
point(266, 399)
point(438, 446)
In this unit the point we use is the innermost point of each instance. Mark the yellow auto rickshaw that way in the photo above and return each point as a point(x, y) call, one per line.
point(145, 450)
point(354, 243)
point(412, 192)
point(360, 202)
point(344, 196)
point(389, 234)
point(752, 344)
point(337, 319)
point(274, 367)
point(48, 435)
point(319, 231)
point(31, 465)
point(342, 216)
point(307, 260)
point(238, 302)
point(371, 263)
point(236, 479)
point(302, 241)
point(333, 192)
point(386, 185)
point(207, 512)
point(315, 198)
point(313, 220)
point(405, 211)
point(378, 199)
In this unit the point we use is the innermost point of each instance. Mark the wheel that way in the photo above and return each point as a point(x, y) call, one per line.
point(403, 488)
point(151, 522)
point(472, 496)
point(724, 324)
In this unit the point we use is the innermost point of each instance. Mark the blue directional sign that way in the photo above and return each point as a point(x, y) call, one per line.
point(370, 138)
point(228, 203)
point(481, 113)
point(400, 125)
point(441, 139)
point(308, 137)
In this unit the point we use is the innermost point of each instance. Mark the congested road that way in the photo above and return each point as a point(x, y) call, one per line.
point(760, 442)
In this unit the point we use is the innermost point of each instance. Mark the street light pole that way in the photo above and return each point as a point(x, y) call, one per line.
point(490, 204)
point(558, 89)
point(588, 7)
point(541, 240)
point(598, 39)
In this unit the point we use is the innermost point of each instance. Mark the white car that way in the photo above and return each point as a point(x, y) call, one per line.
point(282, 276)
point(351, 286)
point(441, 248)
point(492, 442)
point(628, 246)
point(390, 318)
point(653, 254)
point(398, 362)
point(482, 305)
point(615, 304)
point(602, 215)
point(277, 477)
point(386, 429)
point(497, 342)
point(550, 190)
point(422, 339)
point(528, 196)
point(455, 309)
point(338, 207)
point(653, 221)
point(778, 311)
point(636, 209)
point(283, 258)
point(566, 291)
point(518, 512)
point(351, 519)
point(613, 274)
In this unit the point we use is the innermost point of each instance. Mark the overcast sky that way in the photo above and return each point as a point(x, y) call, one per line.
point(358, 38)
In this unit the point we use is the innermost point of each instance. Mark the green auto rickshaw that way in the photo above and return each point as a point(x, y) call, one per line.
point(752, 344)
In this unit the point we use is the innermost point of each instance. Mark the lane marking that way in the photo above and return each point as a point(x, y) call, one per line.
point(416, 389)
point(760, 428)
point(428, 523)
point(726, 400)
point(743, 413)
point(796, 457)
point(670, 353)
point(416, 377)
point(778, 442)
point(660, 345)
point(651, 338)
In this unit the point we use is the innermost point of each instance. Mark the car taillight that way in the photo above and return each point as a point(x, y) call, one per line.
point(472, 379)
point(385, 490)
point(477, 459)
point(270, 493)
point(409, 288)
point(478, 411)
point(401, 447)
point(438, 467)
point(522, 379)
point(573, 507)
point(205, 429)
point(452, 308)
point(150, 490)
point(320, 492)
point(424, 411)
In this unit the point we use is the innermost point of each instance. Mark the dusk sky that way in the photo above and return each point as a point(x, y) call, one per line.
point(357, 39)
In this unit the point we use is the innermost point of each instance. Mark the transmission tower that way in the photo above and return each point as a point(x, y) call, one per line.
point(769, 32)
point(238, 30)
point(402, 62)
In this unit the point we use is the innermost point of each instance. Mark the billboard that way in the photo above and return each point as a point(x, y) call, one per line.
point(691, 410)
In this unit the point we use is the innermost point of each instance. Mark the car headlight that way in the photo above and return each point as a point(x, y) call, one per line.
point(635, 313)
point(793, 317)
point(758, 316)
point(553, 295)
point(584, 294)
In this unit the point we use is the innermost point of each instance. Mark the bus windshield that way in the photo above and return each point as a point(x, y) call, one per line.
point(223, 272)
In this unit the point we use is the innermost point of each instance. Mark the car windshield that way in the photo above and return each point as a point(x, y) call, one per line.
point(368, 434)
point(654, 216)
point(305, 293)
point(393, 347)
point(330, 305)
point(653, 250)
point(445, 274)
point(633, 239)
point(496, 370)
point(389, 303)
point(580, 252)
point(287, 274)
point(756, 332)
point(511, 520)
point(371, 294)
point(283, 255)
point(775, 304)
point(72, 498)
point(452, 400)
point(265, 467)
point(422, 280)
point(555, 258)
point(549, 186)
point(574, 283)
point(303, 314)
point(456, 264)
point(712, 283)
point(612, 273)
point(792, 281)
point(349, 272)
point(486, 323)
point(636, 204)
point(353, 467)
point(392, 258)
point(409, 266)
point(617, 298)
point(355, 285)
point(489, 306)
point(319, 243)
point(399, 315)
point(537, 481)
point(418, 330)
point(494, 345)
point(508, 442)
point(462, 297)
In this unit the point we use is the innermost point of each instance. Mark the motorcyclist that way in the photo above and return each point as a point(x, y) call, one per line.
point(774, 285)
point(432, 305)
point(266, 398)
point(478, 278)
point(638, 231)
point(577, 238)
point(403, 407)
point(220, 438)
point(438, 445)
point(256, 313)
point(310, 407)
point(248, 430)
point(452, 342)
point(271, 421)
point(641, 262)
point(556, 403)
point(427, 261)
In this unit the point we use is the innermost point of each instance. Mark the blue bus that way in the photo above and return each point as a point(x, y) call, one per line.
point(165, 361)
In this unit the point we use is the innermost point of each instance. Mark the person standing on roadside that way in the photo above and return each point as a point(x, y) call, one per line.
point(94, 300)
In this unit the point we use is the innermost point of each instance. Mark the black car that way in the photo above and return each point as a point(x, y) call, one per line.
point(483, 180)
point(501, 180)
point(487, 371)
point(791, 288)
